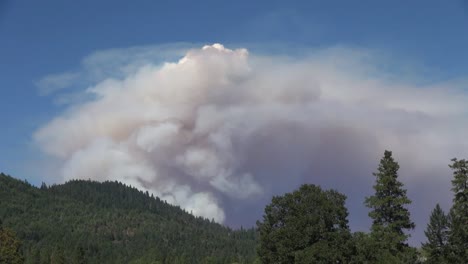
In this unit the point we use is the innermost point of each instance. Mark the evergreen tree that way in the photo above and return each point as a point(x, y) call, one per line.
point(388, 211)
point(437, 236)
point(9, 247)
point(458, 235)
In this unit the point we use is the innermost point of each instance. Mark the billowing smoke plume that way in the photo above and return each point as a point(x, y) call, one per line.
point(220, 131)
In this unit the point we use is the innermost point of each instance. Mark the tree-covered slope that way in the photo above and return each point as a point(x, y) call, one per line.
point(91, 222)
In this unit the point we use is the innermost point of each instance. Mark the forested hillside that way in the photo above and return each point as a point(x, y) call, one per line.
point(91, 222)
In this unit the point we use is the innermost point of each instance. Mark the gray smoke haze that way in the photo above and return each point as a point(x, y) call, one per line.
point(220, 131)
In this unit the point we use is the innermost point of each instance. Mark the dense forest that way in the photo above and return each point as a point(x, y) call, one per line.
point(90, 222)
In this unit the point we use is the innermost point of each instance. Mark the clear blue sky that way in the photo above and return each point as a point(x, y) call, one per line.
point(43, 37)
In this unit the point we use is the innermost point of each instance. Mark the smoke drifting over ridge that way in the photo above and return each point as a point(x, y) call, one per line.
point(220, 131)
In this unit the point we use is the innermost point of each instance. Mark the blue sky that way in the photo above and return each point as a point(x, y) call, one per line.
point(39, 38)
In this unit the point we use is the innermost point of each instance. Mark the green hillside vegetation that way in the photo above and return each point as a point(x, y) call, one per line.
point(91, 222)
point(10, 247)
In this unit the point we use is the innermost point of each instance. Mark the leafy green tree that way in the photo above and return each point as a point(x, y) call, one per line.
point(389, 213)
point(9, 247)
point(363, 248)
point(308, 225)
point(458, 235)
point(437, 237)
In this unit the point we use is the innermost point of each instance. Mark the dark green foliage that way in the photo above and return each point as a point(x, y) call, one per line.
point(389, 214)
point(9, 247)
point(368, 249)
point(458, 234)
point(89, 222)
point(307, 226)
point(363, 250)
point(437, 236)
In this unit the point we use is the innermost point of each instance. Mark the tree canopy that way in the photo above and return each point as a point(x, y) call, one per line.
point(437, 235)
point(308, 225)
point(390, 217)
point(9, 247)
point(91, 222)
point(458, 234)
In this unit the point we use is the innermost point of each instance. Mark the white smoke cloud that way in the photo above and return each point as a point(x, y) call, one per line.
point(222, 125)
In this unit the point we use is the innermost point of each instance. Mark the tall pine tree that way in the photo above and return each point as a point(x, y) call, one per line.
point(458, 236)
point(388, 211)
point(437, 237)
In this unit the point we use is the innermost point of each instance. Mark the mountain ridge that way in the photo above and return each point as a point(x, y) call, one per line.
point(111, 222)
